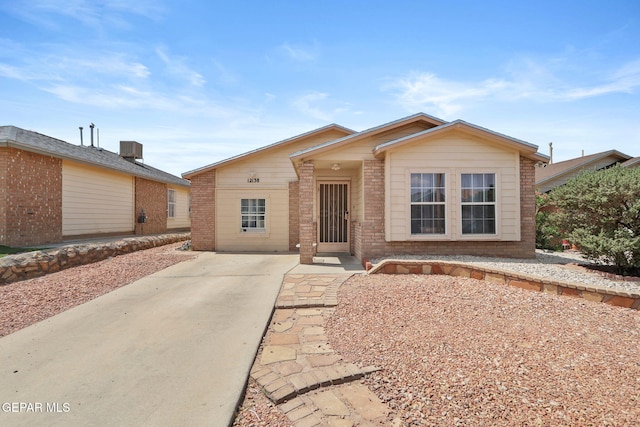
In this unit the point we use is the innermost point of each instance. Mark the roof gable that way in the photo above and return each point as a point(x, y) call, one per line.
point(12, 136)
point(428, 120)
point(280, 144)
point(526, 149)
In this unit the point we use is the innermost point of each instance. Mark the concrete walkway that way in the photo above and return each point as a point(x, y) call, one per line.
point(174, 348)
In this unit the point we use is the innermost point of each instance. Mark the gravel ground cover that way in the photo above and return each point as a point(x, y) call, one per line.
point(30, 301)
point(458, 351)
point(455, 351)
point(258, 411)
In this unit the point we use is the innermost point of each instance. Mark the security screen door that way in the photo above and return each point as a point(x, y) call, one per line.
point(333, 218)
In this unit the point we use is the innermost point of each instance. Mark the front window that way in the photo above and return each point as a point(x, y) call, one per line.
point(478, 197)
point(171, 203)
point(428, 203)
point(253, 214)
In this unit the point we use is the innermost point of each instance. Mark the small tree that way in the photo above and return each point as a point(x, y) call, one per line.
point(600, 212)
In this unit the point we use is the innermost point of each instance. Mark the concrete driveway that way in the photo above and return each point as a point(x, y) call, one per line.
point(173, 348)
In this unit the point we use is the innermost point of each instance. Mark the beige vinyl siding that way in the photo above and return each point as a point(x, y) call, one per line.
point(182, 218)
point(271, 173)
point(229, 234)
point(95, 200)
point(453, 155)
point(273, 168)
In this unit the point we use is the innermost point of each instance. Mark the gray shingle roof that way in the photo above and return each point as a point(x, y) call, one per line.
point(11, 136)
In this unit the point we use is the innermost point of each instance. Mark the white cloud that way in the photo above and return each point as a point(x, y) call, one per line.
point(320, 106)
point(91, 14)
point(304, 104)
point(532, 81)
point(297, 53)
point(177, 67)
point(427, 91)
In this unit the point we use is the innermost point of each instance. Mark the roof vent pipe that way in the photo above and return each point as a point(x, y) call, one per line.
point(92, 126)
point(550, 152)
point(80, 135)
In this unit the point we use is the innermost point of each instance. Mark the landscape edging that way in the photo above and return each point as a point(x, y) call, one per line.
point(610, 296)
point(29, 265)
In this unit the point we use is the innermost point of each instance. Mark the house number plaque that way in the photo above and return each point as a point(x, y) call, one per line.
point(253, 180)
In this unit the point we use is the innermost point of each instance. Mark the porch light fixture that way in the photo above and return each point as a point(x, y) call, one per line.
point(335, 166)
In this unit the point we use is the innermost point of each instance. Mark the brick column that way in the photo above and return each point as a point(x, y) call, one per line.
point(294, 212)
point(527, 208)
point(372, 232)
point(307, 250)
point(203, 211)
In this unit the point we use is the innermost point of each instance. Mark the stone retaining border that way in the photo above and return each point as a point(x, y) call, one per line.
point(606, 295)
point(28, 265)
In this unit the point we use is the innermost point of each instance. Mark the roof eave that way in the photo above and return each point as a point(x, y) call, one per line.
point(527, 149)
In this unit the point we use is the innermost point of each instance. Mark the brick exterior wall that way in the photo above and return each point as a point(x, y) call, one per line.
point(527, 207)
point(203, 210)
point(294, 215)
point(307, 226)
point(30, 198)
point(152, 197)
point(370, 241)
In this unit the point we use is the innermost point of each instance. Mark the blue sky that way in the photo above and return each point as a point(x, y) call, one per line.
point(197, 81)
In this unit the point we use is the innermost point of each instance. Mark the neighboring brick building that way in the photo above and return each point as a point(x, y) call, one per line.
point(51, 191)
point(418, 185)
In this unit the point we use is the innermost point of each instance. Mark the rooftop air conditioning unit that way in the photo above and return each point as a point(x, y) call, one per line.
point(130, 150)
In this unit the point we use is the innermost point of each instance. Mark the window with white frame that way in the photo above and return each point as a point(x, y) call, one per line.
point(478, 202)
point(428, 209)
point(253, 214)
point(171, 203)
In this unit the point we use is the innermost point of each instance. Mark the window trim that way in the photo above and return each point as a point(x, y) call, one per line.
point(447, 204)
point(496, 204)
point(172, 203)
point(254, 230)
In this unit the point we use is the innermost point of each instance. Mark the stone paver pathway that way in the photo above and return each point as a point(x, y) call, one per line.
point(299, 371)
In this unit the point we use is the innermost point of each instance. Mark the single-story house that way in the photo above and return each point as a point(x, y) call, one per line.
point(52, 191)
point(417, 185)
point(549, 176)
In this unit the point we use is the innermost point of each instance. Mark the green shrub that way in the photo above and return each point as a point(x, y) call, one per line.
point(547, 234)
point(600, 212)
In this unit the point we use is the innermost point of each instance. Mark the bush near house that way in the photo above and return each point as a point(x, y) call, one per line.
point(547, 233)
point(600, 212)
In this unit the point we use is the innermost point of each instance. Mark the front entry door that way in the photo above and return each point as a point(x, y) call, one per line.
point(333, 218)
